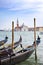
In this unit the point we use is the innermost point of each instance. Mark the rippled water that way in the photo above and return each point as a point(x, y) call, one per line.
point(27, 39)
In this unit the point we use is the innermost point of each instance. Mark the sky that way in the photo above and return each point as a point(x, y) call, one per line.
point(23, 10)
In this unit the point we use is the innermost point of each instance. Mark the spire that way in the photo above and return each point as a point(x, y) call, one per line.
point(17, 23)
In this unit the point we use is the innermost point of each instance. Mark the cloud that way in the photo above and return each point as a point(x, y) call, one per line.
point(21, 5)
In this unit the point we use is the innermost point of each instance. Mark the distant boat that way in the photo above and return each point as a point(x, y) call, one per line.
point(18, 56)
point(41, 33)
point(2, 42)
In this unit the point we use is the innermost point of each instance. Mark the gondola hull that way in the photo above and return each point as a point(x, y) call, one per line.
point(16, 44)
point(23, 57)
point(2, 42)
point(19, 56)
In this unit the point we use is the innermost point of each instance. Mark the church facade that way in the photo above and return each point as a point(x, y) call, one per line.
point(20, 28)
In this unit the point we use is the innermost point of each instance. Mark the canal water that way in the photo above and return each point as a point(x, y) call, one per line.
point(27, 39)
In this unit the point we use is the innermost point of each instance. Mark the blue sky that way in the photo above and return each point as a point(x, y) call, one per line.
point(24, 10)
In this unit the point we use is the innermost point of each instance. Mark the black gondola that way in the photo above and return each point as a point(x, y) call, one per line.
point(2, 42)
point(16, 44)
point(18, 56)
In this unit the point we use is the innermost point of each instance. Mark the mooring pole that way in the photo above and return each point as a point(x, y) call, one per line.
point(35, 39)
point(12, 34)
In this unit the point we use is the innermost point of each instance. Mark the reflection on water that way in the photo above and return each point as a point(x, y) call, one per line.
point(30, 61)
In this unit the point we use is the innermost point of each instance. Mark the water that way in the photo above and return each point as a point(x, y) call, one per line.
point(27, 39)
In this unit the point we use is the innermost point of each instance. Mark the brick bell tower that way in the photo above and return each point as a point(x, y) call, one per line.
point(17, 23)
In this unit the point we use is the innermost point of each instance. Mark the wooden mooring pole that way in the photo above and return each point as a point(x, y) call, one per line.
point(35, 39)
point(12, 34)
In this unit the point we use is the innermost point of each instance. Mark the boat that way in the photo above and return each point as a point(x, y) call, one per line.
point(2, 42)
point(19, 56)
point(16, 44)
point(41, 33)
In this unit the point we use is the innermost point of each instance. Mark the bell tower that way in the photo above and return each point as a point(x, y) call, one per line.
point(17, 23)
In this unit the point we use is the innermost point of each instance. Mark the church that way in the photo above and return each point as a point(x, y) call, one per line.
point(20, 28)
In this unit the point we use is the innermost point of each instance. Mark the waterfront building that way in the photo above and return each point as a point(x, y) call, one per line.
point(20, 28)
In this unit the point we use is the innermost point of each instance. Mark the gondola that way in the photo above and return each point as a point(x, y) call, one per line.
point(16, 44)
point(2, 42)
point(18, 56)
